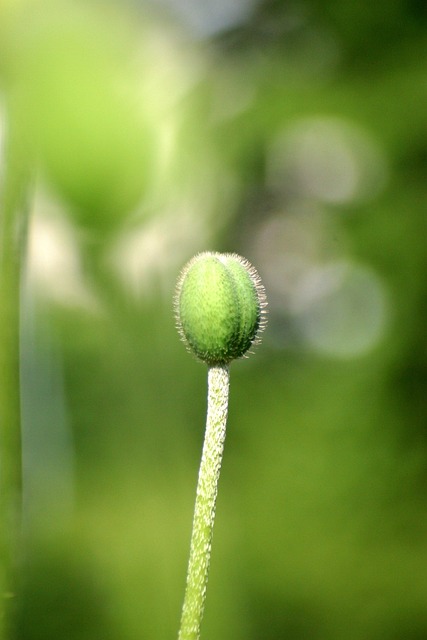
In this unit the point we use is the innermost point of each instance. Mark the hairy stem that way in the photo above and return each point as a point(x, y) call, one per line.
point(204, 511)
point(13, 219)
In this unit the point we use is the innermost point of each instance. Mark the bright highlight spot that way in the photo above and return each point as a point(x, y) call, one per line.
point(349, 318)
point(329, 159)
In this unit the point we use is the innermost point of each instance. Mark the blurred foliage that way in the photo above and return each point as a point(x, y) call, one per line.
point(296, 136)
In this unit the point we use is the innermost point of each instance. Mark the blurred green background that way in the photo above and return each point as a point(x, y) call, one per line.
point(295, 134)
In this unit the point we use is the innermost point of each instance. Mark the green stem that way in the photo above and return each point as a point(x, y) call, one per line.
point(204, 511)
point(12, 239)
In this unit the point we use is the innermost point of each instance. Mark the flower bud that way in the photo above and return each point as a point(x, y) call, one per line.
point(219, 306)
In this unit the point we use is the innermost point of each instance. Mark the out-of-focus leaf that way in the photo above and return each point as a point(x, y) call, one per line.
point(77, 99)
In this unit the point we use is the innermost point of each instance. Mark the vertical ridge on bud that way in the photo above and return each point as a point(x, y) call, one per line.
point(219, 306)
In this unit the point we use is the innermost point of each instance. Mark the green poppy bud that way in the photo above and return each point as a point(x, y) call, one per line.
point(220, 306)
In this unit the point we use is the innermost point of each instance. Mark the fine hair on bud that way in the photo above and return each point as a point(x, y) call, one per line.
point(220, 307)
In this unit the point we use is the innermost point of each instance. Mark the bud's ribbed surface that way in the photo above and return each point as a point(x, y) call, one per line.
point(219, 306)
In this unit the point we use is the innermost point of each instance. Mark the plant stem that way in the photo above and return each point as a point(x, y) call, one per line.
point(13, 221)
point(204, 510)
